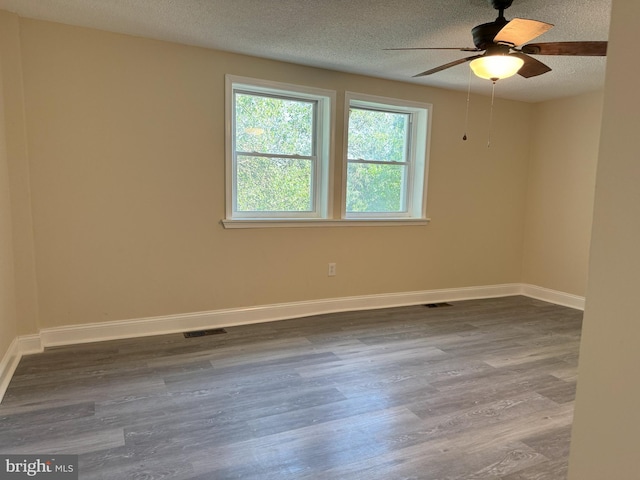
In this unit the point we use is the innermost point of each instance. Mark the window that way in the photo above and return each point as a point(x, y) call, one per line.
point(385, 158)
point(278, 150)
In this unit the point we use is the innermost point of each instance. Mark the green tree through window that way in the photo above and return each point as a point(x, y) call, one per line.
point(269, 132)
point(377, 165)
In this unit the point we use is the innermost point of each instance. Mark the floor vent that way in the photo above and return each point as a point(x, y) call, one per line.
point(202, 333)
point(436, 305)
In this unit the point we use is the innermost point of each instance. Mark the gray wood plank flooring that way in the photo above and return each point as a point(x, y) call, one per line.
point(482, 389)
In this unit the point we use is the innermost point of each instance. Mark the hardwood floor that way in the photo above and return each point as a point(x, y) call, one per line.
point(481, 389)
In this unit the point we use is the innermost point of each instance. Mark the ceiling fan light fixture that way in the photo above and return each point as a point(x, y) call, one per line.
point(496, 67)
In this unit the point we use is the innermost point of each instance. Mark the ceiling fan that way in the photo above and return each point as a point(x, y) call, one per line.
point(505, 43)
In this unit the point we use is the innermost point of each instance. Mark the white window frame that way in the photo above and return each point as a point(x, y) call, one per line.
point(417, 155)
point(323, 141)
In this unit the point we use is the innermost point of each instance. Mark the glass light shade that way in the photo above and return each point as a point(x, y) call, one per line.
point(495, 67)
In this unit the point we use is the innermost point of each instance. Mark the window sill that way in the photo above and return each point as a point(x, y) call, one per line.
point(305, 223)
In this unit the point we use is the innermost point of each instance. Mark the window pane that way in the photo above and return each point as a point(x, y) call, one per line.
point(375, 188)
point(377, 135)
point(274, 125)
point(274, 184)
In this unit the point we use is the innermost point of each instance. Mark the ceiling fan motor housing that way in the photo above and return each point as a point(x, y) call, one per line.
point(484, 34)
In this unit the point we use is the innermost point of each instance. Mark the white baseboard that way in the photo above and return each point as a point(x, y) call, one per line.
point(553, 296)
point(95, 332)
point(140, 327)
point(22, 345)
point(8, 365)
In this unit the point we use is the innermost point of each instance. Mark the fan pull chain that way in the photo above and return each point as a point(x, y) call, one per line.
point(493, 91)
point(466, 117)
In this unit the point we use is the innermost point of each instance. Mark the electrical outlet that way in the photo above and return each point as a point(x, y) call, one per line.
point(332, 270)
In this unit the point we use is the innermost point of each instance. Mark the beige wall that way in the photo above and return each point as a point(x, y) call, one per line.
point(8, 324)
point(560, 188)
point(607, 418)
point(126, 152)
point(18, 171)
point(8, 316)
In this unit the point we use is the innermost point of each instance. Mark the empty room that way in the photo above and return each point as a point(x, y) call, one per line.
point(318, 240)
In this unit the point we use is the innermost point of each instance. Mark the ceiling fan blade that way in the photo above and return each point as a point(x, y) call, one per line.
point(461, 49)
point(588, 49)
point(532, 67)
point(447, 65)
point(521, 30)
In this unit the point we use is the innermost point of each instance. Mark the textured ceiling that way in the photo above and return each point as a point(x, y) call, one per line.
point(351, 35)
